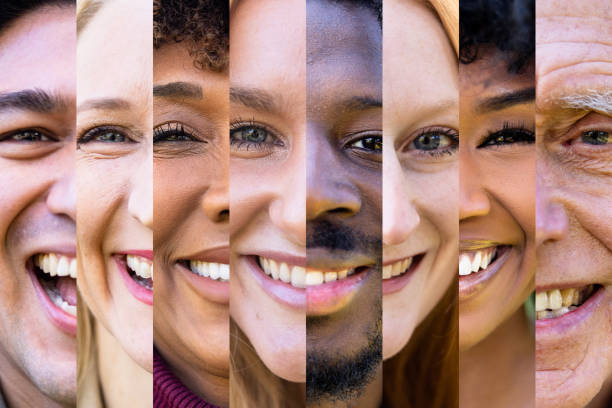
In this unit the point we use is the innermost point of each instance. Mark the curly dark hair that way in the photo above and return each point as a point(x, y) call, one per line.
point(508, 25)
point(202, 24)
point(11, 10)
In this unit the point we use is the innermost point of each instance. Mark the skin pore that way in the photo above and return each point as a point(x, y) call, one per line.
point(420, 166)
point(191, 170)
point(573, 208)
point(496, 210)
point(114, 167)
point(37, 357)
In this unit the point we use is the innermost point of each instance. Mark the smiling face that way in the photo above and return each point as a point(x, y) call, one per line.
point(114, 167)
point(574, 233)
point(420, 170)
point(268, 179)
point(496, 199)
point(37, 109)
point(191, 108)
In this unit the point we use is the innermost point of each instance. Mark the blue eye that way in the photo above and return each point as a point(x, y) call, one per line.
point(28, 135)
point(595, 137)
point(434, 142)
point(104, 134)
point(250, 136)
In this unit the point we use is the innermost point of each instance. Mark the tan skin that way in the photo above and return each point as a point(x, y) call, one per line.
point(37, 359)
point(496, 205)
point(115, 184)
point(418, 178)
point(573, 191)
point(191, 195)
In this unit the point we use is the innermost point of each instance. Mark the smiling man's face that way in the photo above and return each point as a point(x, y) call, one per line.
point(344, 198)
point(37, 125)
point(573, 206)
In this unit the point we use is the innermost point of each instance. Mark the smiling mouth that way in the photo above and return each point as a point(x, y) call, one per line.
point(56, 274)
point(477, 261)
point(400, 267)
point(212, 270)
point(555, 303)
point(140, 270)
point(300, 277)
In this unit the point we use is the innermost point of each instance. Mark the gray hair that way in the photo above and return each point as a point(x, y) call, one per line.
point(592, 99)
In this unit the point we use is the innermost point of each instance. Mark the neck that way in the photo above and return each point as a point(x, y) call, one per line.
point(499, 371)
point(18, 390)
point(124, 383)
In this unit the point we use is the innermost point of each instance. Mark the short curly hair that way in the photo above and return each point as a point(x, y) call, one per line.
point(202, 24)
point(508, 25)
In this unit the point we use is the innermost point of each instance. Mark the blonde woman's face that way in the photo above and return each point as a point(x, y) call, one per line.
point(420, 172)
point(114, 167)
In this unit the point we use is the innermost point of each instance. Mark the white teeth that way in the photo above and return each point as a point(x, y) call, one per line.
point(212, 270)
point(142, 267)
point(396, 268)
point(474, 261)
point(299, 276)
point(555, 302)
point(56, 264)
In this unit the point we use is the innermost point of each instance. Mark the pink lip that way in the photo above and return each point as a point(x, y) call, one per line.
point(141, 293)
point(215, 291)
point(64, 321)
point(280, 291)
point(145, 253)
point(397, 283)
point(472, 284)
point(553, 329)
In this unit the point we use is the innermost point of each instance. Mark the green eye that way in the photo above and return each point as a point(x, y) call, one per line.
point(595, 137)
point(431, 141)
point(372, 143)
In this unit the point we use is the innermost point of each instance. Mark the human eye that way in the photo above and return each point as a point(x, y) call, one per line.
point(595, 137)
point(509, 134)
point(27, 135)
point(252, 137)
point(104, 134)
point(370, 143)
point(434, 142)
point(174, 132)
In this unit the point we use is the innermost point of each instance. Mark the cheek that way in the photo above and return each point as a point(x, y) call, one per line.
point(438, 203)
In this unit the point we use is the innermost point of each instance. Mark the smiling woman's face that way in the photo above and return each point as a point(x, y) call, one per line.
point(114, 173)
point(191, 202)
point(420, 172)
point(497, 194)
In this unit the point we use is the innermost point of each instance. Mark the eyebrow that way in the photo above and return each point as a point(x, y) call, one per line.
point(506, 100)
point(34, 100)
point(104, 104)
point(358, 103)
point(257, 99)
point(178, 90)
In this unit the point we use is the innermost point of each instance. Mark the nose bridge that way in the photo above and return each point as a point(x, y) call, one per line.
point(140, 202)
point(400, 216)
point(61, 198)
point(551, 217)
point(473, 198)
point(215, 201)
point(328, 188)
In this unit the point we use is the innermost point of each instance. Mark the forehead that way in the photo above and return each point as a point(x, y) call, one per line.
point(38, 51)
point(116, 49)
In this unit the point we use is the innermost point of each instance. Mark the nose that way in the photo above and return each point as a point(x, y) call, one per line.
point(140, 203)
point(62, 194)
point(400, 216)
point(215, 202)
point(551, 218)
point(473, 199)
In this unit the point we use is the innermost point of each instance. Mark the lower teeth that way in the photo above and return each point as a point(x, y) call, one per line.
point(58, 301)
point(144, 282)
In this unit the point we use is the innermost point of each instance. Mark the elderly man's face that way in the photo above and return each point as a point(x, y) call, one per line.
point(574, 201)
point(37, 201)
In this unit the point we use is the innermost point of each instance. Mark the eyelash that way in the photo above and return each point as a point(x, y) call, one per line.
point(519, 133)
point(241, 125)
point(164, 133)
point(41, 134)
point(91, 134)
point(451, 134)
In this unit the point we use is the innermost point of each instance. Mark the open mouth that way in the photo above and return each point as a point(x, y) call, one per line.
point(300, 277)
point(213, 270)
point(140, 270)
point(555, 303)
point(56, 275)
point(137, 273)
point(477, 261)
point(400, 267)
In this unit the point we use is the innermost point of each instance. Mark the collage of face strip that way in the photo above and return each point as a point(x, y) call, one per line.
point(349, 203)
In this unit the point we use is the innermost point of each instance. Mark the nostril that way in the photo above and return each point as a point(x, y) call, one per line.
point(224, 216)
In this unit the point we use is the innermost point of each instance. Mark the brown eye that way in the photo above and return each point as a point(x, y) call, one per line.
point(372, 143)
point(595, 137)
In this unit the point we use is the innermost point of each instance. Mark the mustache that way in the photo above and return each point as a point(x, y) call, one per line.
point(335, 237)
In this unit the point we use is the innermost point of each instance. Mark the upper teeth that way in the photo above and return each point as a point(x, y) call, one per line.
point(470, 262)
point(210, 270)
point(299, 276)
point(557, 302)
point(141, 266)
point(395, 269)
point(56, 265)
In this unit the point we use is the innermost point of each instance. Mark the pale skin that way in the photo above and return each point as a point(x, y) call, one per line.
point(574, 55)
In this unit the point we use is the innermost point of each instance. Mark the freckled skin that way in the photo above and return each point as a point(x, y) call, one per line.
point(573, 207)
point(37, 200)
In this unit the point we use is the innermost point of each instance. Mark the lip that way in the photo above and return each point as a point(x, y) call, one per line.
point(474, 283)
point(139, 292)
point(218, 255)
point(397, 283)
point(144, 253)
point(62, 320)
point(215, 291)
point(557, 327)
point(280, 291)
